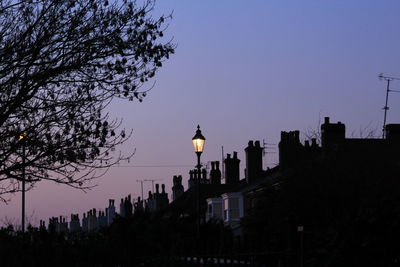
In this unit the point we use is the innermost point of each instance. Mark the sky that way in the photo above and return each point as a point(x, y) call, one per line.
point(243, 70)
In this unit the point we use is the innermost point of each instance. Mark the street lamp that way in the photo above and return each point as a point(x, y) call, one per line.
point(22, 138)
point(300, 229)
point(198, 144)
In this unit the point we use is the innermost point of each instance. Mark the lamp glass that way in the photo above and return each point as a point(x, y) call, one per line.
point(198, 144)
point(22, 136)
point(198, 141)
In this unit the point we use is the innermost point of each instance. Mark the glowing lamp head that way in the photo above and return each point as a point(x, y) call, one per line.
point(22, 136)
point(198, 141)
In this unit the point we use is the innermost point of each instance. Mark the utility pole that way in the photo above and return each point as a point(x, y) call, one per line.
point(300, 229)
point(22, 138)
point(23, 187)
point(386, 107)
point(223, 163)
point(141, 183)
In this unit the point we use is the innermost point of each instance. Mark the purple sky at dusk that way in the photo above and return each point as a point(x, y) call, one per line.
point(244, 70)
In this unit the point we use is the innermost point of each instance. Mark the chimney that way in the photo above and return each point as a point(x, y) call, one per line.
point(232, 169)
point(332, 134)
point(195, 175)
point(314, 142)
point(212, 172)
point(177, 188)
point(204, 176)
point(392, 132)
point(253, 161)
point(297, 136)
point(191, 181)
point(218, 174)
point(215, 173)
point(291, 151)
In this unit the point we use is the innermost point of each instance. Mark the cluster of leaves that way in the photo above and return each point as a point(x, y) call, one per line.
point(61, 63)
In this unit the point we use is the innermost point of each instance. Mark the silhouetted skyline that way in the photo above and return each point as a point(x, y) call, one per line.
point(245, 71)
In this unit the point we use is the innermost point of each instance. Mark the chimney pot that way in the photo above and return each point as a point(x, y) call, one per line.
point(313, 141)
point(253, 162)
point(232, 169)
point(204, 174)
point(297, 136)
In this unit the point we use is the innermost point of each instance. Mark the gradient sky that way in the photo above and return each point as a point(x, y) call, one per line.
point(244, 70)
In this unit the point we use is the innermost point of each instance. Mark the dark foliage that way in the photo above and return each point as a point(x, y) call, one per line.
point(61, 63)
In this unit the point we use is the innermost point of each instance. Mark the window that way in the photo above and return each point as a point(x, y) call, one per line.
point(234, 208)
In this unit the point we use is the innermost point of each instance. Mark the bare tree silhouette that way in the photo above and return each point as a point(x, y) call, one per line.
point(61, 64)
point(364, 132)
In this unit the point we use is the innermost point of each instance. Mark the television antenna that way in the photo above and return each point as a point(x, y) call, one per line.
point(141, 182)
point(267, 148)
point(388, 79)
point(152, 183)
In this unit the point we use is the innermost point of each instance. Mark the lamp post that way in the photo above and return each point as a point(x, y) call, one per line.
point(22, 138)
point(198, 144)
point(300, 229)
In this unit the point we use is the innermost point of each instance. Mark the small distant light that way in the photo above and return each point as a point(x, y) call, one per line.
point(22, 136)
